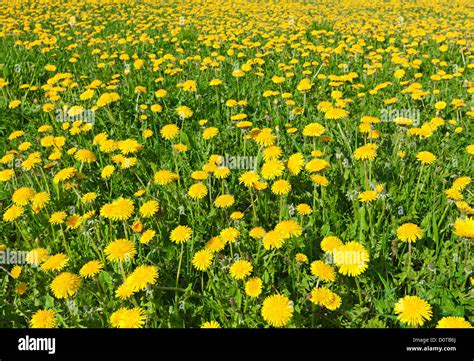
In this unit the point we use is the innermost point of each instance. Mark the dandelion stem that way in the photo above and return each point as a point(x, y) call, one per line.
point(358, 290)
point(416, 190)
point(179, 264)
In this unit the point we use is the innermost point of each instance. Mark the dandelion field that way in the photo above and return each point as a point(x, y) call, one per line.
point(185, 164)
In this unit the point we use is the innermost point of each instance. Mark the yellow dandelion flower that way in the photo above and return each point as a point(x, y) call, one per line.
point(253, 287)
point(413, 311)
point(120, 250)
point(277, 310)
point(128, 318)
point(202, 260)
point(65, 285)
point(409, 232)
point(43, 319)
point(90, 269)
point(55, 263)
point(181, 234)
point(240, 269)
point(148, 209)
point(322, 270)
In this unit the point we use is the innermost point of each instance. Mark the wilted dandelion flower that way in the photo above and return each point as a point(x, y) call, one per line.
point(211, 324)
point(409, 232)
point(90, 269)
point(241, 269)
point(43, 319)
point(202, 260)
point(253, 287)
point(453, 322)
point(20, 289)
point(120, 250)
point(322, 270)
point(128, 318)
point(413, 310)
point(65, 285)
point(181, 234)
point(277, 310)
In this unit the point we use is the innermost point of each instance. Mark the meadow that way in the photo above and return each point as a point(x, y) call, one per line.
point(186, 164)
